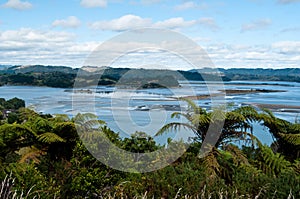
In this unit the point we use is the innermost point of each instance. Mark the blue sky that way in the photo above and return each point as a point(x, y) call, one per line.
point(245, 33)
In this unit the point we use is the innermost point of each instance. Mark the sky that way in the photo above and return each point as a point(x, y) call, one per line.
point(233, 33)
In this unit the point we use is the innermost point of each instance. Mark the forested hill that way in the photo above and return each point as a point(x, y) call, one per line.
point(259, 74)
point(42, 69)
point(64, 76)
point(261, 71)
point(287, 74)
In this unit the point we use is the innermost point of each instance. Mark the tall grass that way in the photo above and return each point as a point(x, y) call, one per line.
point(7, 191)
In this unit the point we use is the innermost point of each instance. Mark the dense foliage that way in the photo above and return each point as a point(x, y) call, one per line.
point(47, 159)
point(14, 103)
point(66, 80)
point(9, 108)
point(64, 77)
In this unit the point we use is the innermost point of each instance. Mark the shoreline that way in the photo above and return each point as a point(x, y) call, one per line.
point(230, 92)
point(276, 107)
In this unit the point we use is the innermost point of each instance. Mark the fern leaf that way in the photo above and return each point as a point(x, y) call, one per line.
point(293, 139)
point(174, 126)
point(50, 138)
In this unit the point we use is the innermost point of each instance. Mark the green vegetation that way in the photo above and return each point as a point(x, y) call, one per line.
point(64, 77)
point(52, 79)
point(9, 108)
point(42, 156)
point(14, 103)
point(259, 74)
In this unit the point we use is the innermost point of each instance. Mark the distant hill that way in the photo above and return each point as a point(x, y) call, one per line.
point(250, 71)
point(64, 76)
point(4, 67)
point(264, 72)
point(287, 74)
point(259, 74)
point(295, 72)
point(42, 69)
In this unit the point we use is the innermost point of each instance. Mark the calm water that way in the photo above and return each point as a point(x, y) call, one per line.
point(127, 111)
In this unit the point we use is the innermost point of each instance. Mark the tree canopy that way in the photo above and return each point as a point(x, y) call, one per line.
point(44, 157)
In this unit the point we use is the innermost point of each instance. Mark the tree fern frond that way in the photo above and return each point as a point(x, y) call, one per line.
point(235, 116)
point(200, 119)
point(248, 112)
point(293, 139)
point(179, 114)
point(270, 162)
point(88, 121)
point(296, 167)
point(193, 106)
point(211, 164)
point(49, 138)
point(218, 114)
point(30, 153)
point(61, 118)
point(174, 126)
point(268, 113)
point(238, 155)
point(294, 128)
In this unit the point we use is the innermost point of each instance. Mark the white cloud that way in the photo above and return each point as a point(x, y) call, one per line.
point(17, 4)
point(292, 29)
point(185, 5)
point(190, 5)
point(70, 22)
point(287, 47)
point(24, 35)
point(278, 55)
point(256, 25)
point(93, 3)
point(150, 1)
point(175, 23)
point(209, 22)
point(201, 40)
point(144, 2)
point(128, 22)
point(29, 46)
point(288, 1)
point(123, 23)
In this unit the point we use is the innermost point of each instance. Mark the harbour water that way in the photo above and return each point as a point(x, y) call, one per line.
point(129, 110)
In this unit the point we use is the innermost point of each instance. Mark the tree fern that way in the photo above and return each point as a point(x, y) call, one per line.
point(49, 138)
point(14, 137)
point(30, 153)
point(296, 167)
point(211, 164)
point(87, 121)
point(248, 112)
point(175, 126)
point(61, 118)
point(193, 107)
point(271, 163)
point(275, 125)
point(229, 125)
point(238, 156)
point(292, 139)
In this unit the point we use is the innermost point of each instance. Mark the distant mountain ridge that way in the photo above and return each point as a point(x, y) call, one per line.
point(64, 76)
point(261, 71)
point(42, 69)
point(5, 67)
point(96, 69)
